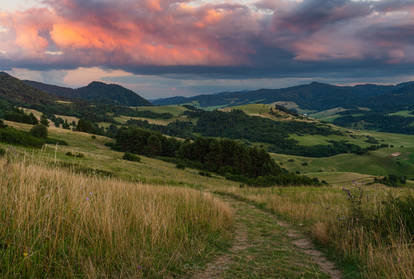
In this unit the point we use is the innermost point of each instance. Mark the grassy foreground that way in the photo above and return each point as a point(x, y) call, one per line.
point(326, 213)
point(357, 226)
point(57, 224)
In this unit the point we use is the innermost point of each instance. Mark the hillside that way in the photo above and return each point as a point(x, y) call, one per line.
point(95, 92)
point(15, 91)
point(374, 107)
point(315, 96)
point(231, 226)
point(311, 97)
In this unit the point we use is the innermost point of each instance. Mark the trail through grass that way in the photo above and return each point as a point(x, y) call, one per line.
point(263, 248)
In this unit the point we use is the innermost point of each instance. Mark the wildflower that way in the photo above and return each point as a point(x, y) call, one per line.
point(25, 254)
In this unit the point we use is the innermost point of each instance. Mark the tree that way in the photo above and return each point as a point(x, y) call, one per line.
point(85, 126)
point(153, 146)
point(65, 125)
point(44, 121)
point(39, 131)
point(111, 131)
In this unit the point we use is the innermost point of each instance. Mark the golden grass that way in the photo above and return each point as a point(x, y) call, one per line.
point(56, 224)
point(321, 211)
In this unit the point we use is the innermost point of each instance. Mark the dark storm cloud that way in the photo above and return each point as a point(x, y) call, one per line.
point(280, 38)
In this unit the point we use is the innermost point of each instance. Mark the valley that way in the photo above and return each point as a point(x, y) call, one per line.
point(280, 216)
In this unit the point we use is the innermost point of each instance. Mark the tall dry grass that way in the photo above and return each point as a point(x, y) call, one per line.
point(57, 224)
point(325, 212)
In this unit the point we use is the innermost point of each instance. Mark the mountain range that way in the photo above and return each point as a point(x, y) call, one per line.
point(314, 96)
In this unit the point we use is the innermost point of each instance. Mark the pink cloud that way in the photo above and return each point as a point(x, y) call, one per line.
point(128, 34)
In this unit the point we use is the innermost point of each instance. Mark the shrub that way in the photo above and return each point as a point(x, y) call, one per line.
point(392, 217)
point(44, 121)
point(392, 180)
point(93, 137)
point(56, 141)
point(396, 217)
point(131, 157)
point(2, 125)
point(2, 152)
point(77, 155)
point(39, 131)
point(13, 136)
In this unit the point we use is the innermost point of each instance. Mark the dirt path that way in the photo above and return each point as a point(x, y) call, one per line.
point(303, 243)
point(266, 248)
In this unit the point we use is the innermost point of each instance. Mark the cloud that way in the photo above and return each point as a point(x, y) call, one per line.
point(241, 39)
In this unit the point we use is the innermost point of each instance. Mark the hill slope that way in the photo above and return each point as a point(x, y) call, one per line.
point(16, 91)
point(95, 92)
point(314, 96)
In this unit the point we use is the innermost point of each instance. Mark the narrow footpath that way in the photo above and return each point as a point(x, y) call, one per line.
point(264, 247)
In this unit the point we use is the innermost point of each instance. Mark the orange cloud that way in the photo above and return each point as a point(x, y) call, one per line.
point(129, 34)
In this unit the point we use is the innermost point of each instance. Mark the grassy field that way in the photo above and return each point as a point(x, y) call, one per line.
point(379, 162)
point(252, 108)
point(123, 119)
point(319, 211)
point(404, 113)
point(263, 110)
point(328, 115)
point(61, 224)
point(175, 110)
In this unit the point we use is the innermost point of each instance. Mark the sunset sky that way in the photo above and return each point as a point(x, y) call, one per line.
point(163, 48)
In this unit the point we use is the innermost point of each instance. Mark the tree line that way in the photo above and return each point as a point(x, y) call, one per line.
point(229, 158)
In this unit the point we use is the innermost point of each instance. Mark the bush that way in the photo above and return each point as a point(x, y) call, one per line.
point(392, 180)
point(56, 141)
point(44, 121)
point(2, 152)
point(131, 157)
point(392, 217)
point(17, 115)
point(2, 125)
point(93, 137)
point(39, 131)
point(77, 155)
point(397, 216)
point(13, 136)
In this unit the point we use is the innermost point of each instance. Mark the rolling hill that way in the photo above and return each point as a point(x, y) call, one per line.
point(314, 97)
point(15, 91)
point(95, 92)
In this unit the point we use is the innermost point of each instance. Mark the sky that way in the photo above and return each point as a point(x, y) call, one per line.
point(164, 48)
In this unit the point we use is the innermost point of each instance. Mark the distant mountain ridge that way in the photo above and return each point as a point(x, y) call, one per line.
point(95, 92)
point(314, 96)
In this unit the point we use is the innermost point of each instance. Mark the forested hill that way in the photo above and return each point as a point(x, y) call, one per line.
point(15, 91)
point(314, 96)
point(95, 92)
